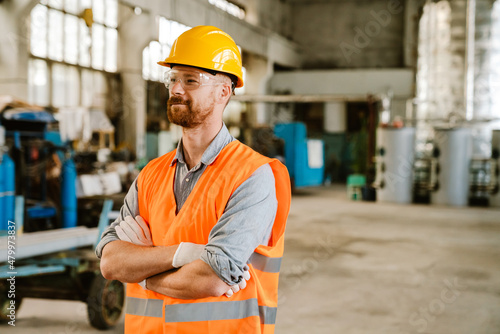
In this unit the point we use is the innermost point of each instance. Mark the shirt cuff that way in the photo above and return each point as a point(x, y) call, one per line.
point(106, 239)
point(220, 263)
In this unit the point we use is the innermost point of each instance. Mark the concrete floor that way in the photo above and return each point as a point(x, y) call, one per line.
point(357, 267)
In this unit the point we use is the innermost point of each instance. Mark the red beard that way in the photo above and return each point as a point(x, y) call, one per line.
point(181, 112)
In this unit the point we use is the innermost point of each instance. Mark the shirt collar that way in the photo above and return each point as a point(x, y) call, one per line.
point(218, 143)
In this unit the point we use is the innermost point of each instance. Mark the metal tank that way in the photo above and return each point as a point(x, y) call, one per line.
point(452, 153)
point(3, 216)
point(7, 184)
point(395, 155)
point(68, 193)
point(3, 224)
point(495, 168)
point(9, 190)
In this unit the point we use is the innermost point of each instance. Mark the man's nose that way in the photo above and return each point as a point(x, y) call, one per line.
point(177, 88)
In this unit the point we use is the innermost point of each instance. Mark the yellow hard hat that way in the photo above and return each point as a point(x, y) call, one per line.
point(209, 48)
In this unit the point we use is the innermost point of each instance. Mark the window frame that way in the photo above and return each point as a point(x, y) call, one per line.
point(109, 75)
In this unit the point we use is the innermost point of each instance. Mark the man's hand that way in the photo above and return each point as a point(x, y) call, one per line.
point(241, 285)
point(187, 252)
point(135, 231)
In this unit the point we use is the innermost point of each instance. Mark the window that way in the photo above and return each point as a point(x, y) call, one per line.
point(487, 63)
point(229, 8)
point(437, 83)
point(441, 72)
point(69, 60)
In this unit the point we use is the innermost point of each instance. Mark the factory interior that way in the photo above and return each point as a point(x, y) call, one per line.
point(386, 114)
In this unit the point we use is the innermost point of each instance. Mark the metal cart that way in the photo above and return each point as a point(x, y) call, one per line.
point(61, 264)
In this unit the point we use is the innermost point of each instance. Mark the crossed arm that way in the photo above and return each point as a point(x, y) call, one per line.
point(246, 223)
point(131, 263)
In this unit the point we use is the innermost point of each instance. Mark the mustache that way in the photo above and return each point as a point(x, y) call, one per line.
point(177, 99)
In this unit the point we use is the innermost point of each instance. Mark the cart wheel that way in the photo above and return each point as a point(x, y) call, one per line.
point(105, 302)
point(5, 303)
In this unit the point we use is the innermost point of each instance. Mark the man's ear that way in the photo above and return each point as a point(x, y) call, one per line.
point(224, 93)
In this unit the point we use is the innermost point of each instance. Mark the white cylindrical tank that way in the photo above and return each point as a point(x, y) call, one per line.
point(495, 156)
point(335, 117)
point(453, 150)
point(395, 155)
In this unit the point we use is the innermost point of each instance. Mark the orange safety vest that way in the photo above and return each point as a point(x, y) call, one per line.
point(251, 310)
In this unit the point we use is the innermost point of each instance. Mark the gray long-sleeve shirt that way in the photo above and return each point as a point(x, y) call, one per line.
point(246, 222)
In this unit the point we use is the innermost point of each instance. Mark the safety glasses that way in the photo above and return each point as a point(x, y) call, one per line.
point(189, 79)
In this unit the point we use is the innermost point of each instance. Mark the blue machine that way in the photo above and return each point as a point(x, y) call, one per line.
point(304, 157)
point(25, 127)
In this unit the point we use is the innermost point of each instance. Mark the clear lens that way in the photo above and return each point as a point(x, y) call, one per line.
point(189, 79)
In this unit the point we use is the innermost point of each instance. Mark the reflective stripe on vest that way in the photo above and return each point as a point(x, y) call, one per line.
point(268, 315)
point(144, 307)
point(230, 310)
point(266, 264)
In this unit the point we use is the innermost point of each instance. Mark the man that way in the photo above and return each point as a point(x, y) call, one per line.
point(200, 236)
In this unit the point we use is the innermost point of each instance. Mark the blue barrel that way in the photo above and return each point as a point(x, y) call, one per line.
point(68, 194)
point(9, 191)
